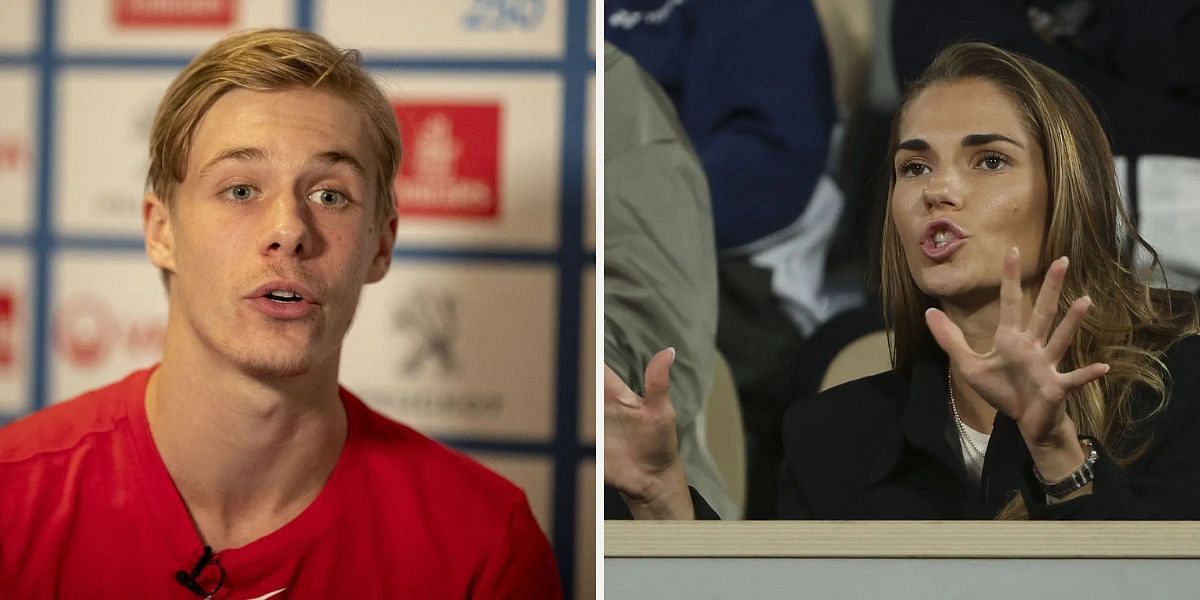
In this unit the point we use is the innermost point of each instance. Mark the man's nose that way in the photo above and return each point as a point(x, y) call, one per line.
point(288, 228)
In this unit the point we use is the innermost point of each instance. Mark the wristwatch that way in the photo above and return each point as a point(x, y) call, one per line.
point(1076, 480)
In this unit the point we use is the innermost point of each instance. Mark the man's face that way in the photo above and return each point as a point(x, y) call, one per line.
point(273, 231)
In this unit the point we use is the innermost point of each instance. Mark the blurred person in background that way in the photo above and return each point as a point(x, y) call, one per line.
point(660, 282)
point(752, 86)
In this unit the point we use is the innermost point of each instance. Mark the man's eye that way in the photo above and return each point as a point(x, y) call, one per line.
point(240, 192)
point(327, 197)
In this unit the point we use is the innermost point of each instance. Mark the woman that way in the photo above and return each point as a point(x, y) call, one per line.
point(1035, 375)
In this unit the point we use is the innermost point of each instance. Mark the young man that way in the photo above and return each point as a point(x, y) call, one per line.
point(238, 468)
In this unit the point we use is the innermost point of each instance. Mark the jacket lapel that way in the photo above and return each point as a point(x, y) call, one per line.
point(1007, 456)
point(927, 426)
point(927, 414)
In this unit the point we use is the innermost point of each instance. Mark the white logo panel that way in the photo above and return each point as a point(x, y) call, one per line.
point(101, 331)
point(459, 349)
point(533, 475)
point(18, 116)
point(156, 26)
point(589, 167)
point(587, 358)
point(19, 26)
point(585, 531)
point(511, 28)
point(591, 29)
point(530, 131)
point(16, 315)
point(102, 148)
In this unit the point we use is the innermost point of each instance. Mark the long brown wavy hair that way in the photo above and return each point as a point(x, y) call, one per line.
point(1130, 323)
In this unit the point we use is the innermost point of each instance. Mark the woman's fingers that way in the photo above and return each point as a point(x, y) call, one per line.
point(657, 381)
point(658, 377)
point(1084, 375)
point(1010, 290)
point(1064, 334)
point(616, 390)
point(947, 335)
point(1046, 307)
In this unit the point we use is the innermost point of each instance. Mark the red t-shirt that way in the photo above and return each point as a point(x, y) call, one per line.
point(88, 510)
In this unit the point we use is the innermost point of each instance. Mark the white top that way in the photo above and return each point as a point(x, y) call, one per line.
point(980, 439)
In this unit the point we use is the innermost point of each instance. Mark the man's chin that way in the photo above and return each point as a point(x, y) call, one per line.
point(275, 367)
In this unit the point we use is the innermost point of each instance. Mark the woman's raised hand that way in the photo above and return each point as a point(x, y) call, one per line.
point(1020, 375)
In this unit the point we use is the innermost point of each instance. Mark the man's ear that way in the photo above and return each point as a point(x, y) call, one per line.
point(160, 240)
point(382, 260)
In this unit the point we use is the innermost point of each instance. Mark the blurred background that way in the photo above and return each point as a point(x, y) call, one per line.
point(482, 336)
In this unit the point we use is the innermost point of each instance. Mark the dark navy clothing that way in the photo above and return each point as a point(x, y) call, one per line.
point(751, 83)
point(1136, 62)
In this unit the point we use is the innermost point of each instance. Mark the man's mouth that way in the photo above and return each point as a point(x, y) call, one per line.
point(283, 296)
point(285, 299)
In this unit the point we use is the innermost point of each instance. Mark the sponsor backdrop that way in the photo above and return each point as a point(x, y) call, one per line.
point(482, 334)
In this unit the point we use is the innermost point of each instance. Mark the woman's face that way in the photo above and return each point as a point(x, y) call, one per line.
point(970, 185)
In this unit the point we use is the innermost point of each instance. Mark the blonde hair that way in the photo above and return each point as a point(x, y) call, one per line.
point(269, 60)
point(1130, 323)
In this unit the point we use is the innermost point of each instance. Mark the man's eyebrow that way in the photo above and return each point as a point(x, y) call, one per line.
point(333, 157)
point(244, 154)
point(251, 153)
point(981, 139)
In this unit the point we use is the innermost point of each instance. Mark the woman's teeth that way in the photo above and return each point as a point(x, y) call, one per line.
point(939, 239)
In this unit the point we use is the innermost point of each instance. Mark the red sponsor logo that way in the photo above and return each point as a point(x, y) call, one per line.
point(8, 321)
point(173, 13)
point(87, 332)
point(451, 160)
point(13, 153)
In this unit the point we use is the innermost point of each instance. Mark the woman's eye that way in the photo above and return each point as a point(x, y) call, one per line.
point(240, 192)
point(913, 169)
point(992, 162)
point(327, 197)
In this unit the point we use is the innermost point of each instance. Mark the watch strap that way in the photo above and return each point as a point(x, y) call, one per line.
point(1077, 479)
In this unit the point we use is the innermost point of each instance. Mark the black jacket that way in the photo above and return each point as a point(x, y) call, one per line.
point(884, 447)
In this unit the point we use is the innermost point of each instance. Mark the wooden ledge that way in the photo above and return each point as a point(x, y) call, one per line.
point(903, 539)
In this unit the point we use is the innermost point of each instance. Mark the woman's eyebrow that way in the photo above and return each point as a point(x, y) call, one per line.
point(974, 139)
point(915, 144)
point(982, 139)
